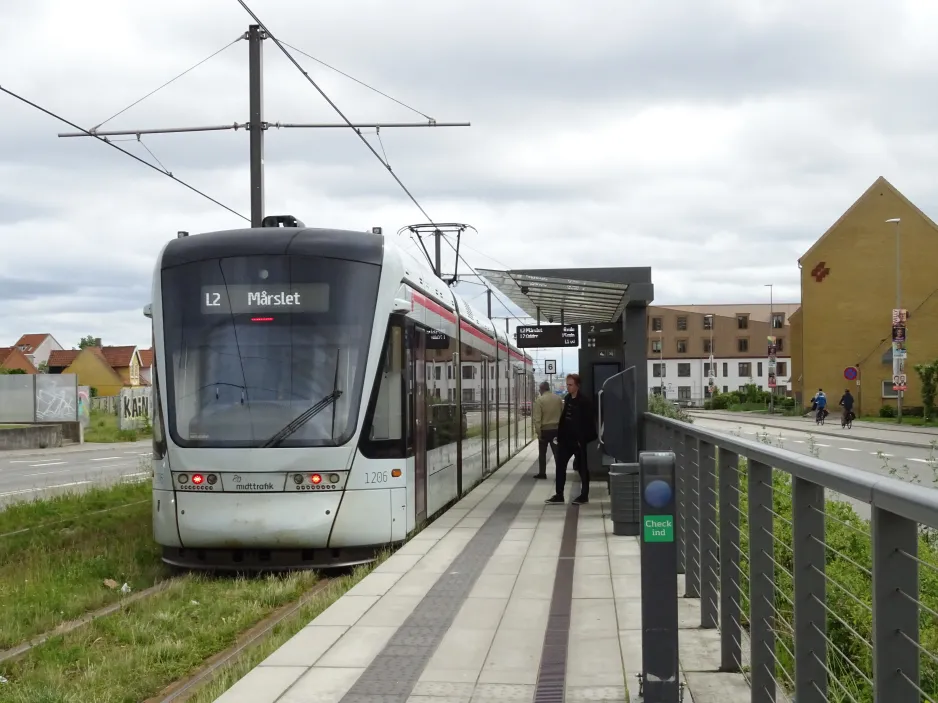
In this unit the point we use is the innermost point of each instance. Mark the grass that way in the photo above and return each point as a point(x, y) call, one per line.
point(906, 420)
point(103, 427)
point(55, 555)
point(12, 427)
point(283, 631)
point(134, 654)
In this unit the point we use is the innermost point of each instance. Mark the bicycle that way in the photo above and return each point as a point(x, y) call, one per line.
point(821, 415)
point(846, 422)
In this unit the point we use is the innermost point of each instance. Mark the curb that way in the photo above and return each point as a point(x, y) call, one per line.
point(892, 442)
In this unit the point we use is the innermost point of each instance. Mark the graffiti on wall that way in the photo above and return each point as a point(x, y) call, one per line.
point(56, 398)
point(134, 409)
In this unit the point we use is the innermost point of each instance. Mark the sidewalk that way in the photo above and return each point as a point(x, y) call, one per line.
point(903, 436)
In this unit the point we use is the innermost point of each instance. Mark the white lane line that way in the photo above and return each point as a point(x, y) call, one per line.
point(47, 463)
point(41, 473)
point(45, 488)
point(921, 461)
point(883, 454)
point(106, 458)
point(798, 441)
point(848, 449)
point(818, 444)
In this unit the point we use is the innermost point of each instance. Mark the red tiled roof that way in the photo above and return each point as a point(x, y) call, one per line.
point(146, 358)
point(60, 358)
point(118, 357)
point(31, 341)
point(4, 353)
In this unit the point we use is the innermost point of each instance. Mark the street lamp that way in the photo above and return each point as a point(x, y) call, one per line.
point(896, 221)
point(661, 363)
point(711, 374)
point(771, 327)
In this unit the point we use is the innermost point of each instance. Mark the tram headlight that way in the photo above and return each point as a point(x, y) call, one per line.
point(183, 478)
point(212, 479)
point(315, 479)
point(297, 479)
point(333, 478)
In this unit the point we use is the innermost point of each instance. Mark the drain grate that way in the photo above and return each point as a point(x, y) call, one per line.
point(552, 675)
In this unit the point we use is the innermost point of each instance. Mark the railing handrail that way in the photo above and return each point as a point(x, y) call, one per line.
point(913, 502)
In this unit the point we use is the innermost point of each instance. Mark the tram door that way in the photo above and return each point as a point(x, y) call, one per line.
point(418, 392)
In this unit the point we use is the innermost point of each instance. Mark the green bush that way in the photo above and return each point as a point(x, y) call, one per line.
point(887, 411)
point(721, 401)
point(666, 408)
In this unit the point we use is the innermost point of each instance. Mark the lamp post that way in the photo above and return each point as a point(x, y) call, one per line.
point(895, 365)
point(770, 286)
point(661, 364)
point(711, 373)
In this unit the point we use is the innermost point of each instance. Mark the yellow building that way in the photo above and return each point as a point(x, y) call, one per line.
point(106, 369)
point(848, 292)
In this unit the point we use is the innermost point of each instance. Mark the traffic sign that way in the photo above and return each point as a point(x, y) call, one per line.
point(850, 373)
point(541, 336)
point(550, 366)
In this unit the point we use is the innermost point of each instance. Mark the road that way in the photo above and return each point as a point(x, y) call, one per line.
point(28, 474)
point(872, 453)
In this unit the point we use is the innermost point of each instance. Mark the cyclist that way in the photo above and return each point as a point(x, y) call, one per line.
point(820, 402)
point(846, 402)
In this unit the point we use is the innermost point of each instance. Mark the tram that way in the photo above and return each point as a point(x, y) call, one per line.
point(318, 394)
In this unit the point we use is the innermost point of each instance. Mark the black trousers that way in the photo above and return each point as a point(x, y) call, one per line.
point(577, 451)
point(545, 440)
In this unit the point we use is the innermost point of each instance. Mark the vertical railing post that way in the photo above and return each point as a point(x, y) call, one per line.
point(761, 581)
point(692, 532)
point(731, 655)
point(895, 608)
point(680, 528)
point(808, 536)
point(709, 610)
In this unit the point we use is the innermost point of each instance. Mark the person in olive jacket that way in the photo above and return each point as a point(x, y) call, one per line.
point(577, 428)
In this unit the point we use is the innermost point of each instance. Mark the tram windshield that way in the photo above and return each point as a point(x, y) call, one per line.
point(253, 342)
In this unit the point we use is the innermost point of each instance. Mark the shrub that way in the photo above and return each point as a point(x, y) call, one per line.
point(887, 411)
point(928, 374)
point(666, 408)
point(721, 401)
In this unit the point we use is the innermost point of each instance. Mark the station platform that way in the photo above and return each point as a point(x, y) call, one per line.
point(503, 598)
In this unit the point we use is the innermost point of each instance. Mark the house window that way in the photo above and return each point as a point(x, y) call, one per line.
point(779, 343)
point(468, 372)
point(778, 320)
point(726, 370)
point(726, 389)
point(682, 346)
point(742, 322)
point(888, 392)
point(683, 370)
point(781, 368)
point(438, 373)
point(708, 346)
point(656, 346)
point(759, 369)
point(683, 392)
point(682, 323)
point(468, 395)
point(745, 368)
point(656, 324)
point(658, 370)
point(708, 322)
point(710, 370)
point(742, 344)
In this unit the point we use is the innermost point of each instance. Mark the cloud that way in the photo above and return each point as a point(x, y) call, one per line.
point(712, 140)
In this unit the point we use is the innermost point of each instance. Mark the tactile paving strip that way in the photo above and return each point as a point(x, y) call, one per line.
point(552, 675)
point(392, 675)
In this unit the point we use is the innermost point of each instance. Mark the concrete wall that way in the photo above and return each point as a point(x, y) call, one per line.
point(35, 437)
point(38, 398)
point(846, 315)
point(135, 408)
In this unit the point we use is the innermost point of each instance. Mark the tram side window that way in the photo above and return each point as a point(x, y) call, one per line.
point(386, 417)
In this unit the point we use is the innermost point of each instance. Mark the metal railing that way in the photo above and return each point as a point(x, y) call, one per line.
point(834, 607)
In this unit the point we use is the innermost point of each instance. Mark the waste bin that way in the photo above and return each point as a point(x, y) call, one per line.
point(624, 498)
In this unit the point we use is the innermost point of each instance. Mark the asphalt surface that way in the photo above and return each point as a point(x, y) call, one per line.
point(28, 474)
point(861, 448)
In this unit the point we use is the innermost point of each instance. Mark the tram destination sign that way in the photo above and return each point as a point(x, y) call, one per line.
point(539, 336)
point(234, 298)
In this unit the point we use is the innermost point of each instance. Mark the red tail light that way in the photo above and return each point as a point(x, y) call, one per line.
point(197, 479)
point(316, 479)
point(262, 319)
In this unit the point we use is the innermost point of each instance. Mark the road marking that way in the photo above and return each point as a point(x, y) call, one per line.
point(921, 461)
point(849, 449)
point(41, 473)
point(798, 441)
point(818, 444)
point(47, 463)
point(46, 488)
point(106, 458)
point(880, 454)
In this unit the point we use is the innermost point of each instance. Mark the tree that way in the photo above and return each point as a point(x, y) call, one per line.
point(10, 372)
point(928, 373)
point(88, 341)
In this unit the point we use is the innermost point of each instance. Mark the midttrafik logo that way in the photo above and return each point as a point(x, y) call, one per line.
point(267, 486)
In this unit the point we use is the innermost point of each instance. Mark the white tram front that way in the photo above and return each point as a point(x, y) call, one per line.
point(318, 394)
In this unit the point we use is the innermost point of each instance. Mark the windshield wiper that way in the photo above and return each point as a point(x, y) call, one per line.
point(302, 419)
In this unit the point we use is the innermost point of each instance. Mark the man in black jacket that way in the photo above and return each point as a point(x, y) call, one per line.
point(577, 429)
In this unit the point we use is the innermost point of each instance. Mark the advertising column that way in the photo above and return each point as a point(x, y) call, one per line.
point(899, 377)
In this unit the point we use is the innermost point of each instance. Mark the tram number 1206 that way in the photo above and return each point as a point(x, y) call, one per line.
point(376, 477)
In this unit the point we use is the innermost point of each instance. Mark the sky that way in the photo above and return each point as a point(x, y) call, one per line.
point(713, 140)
